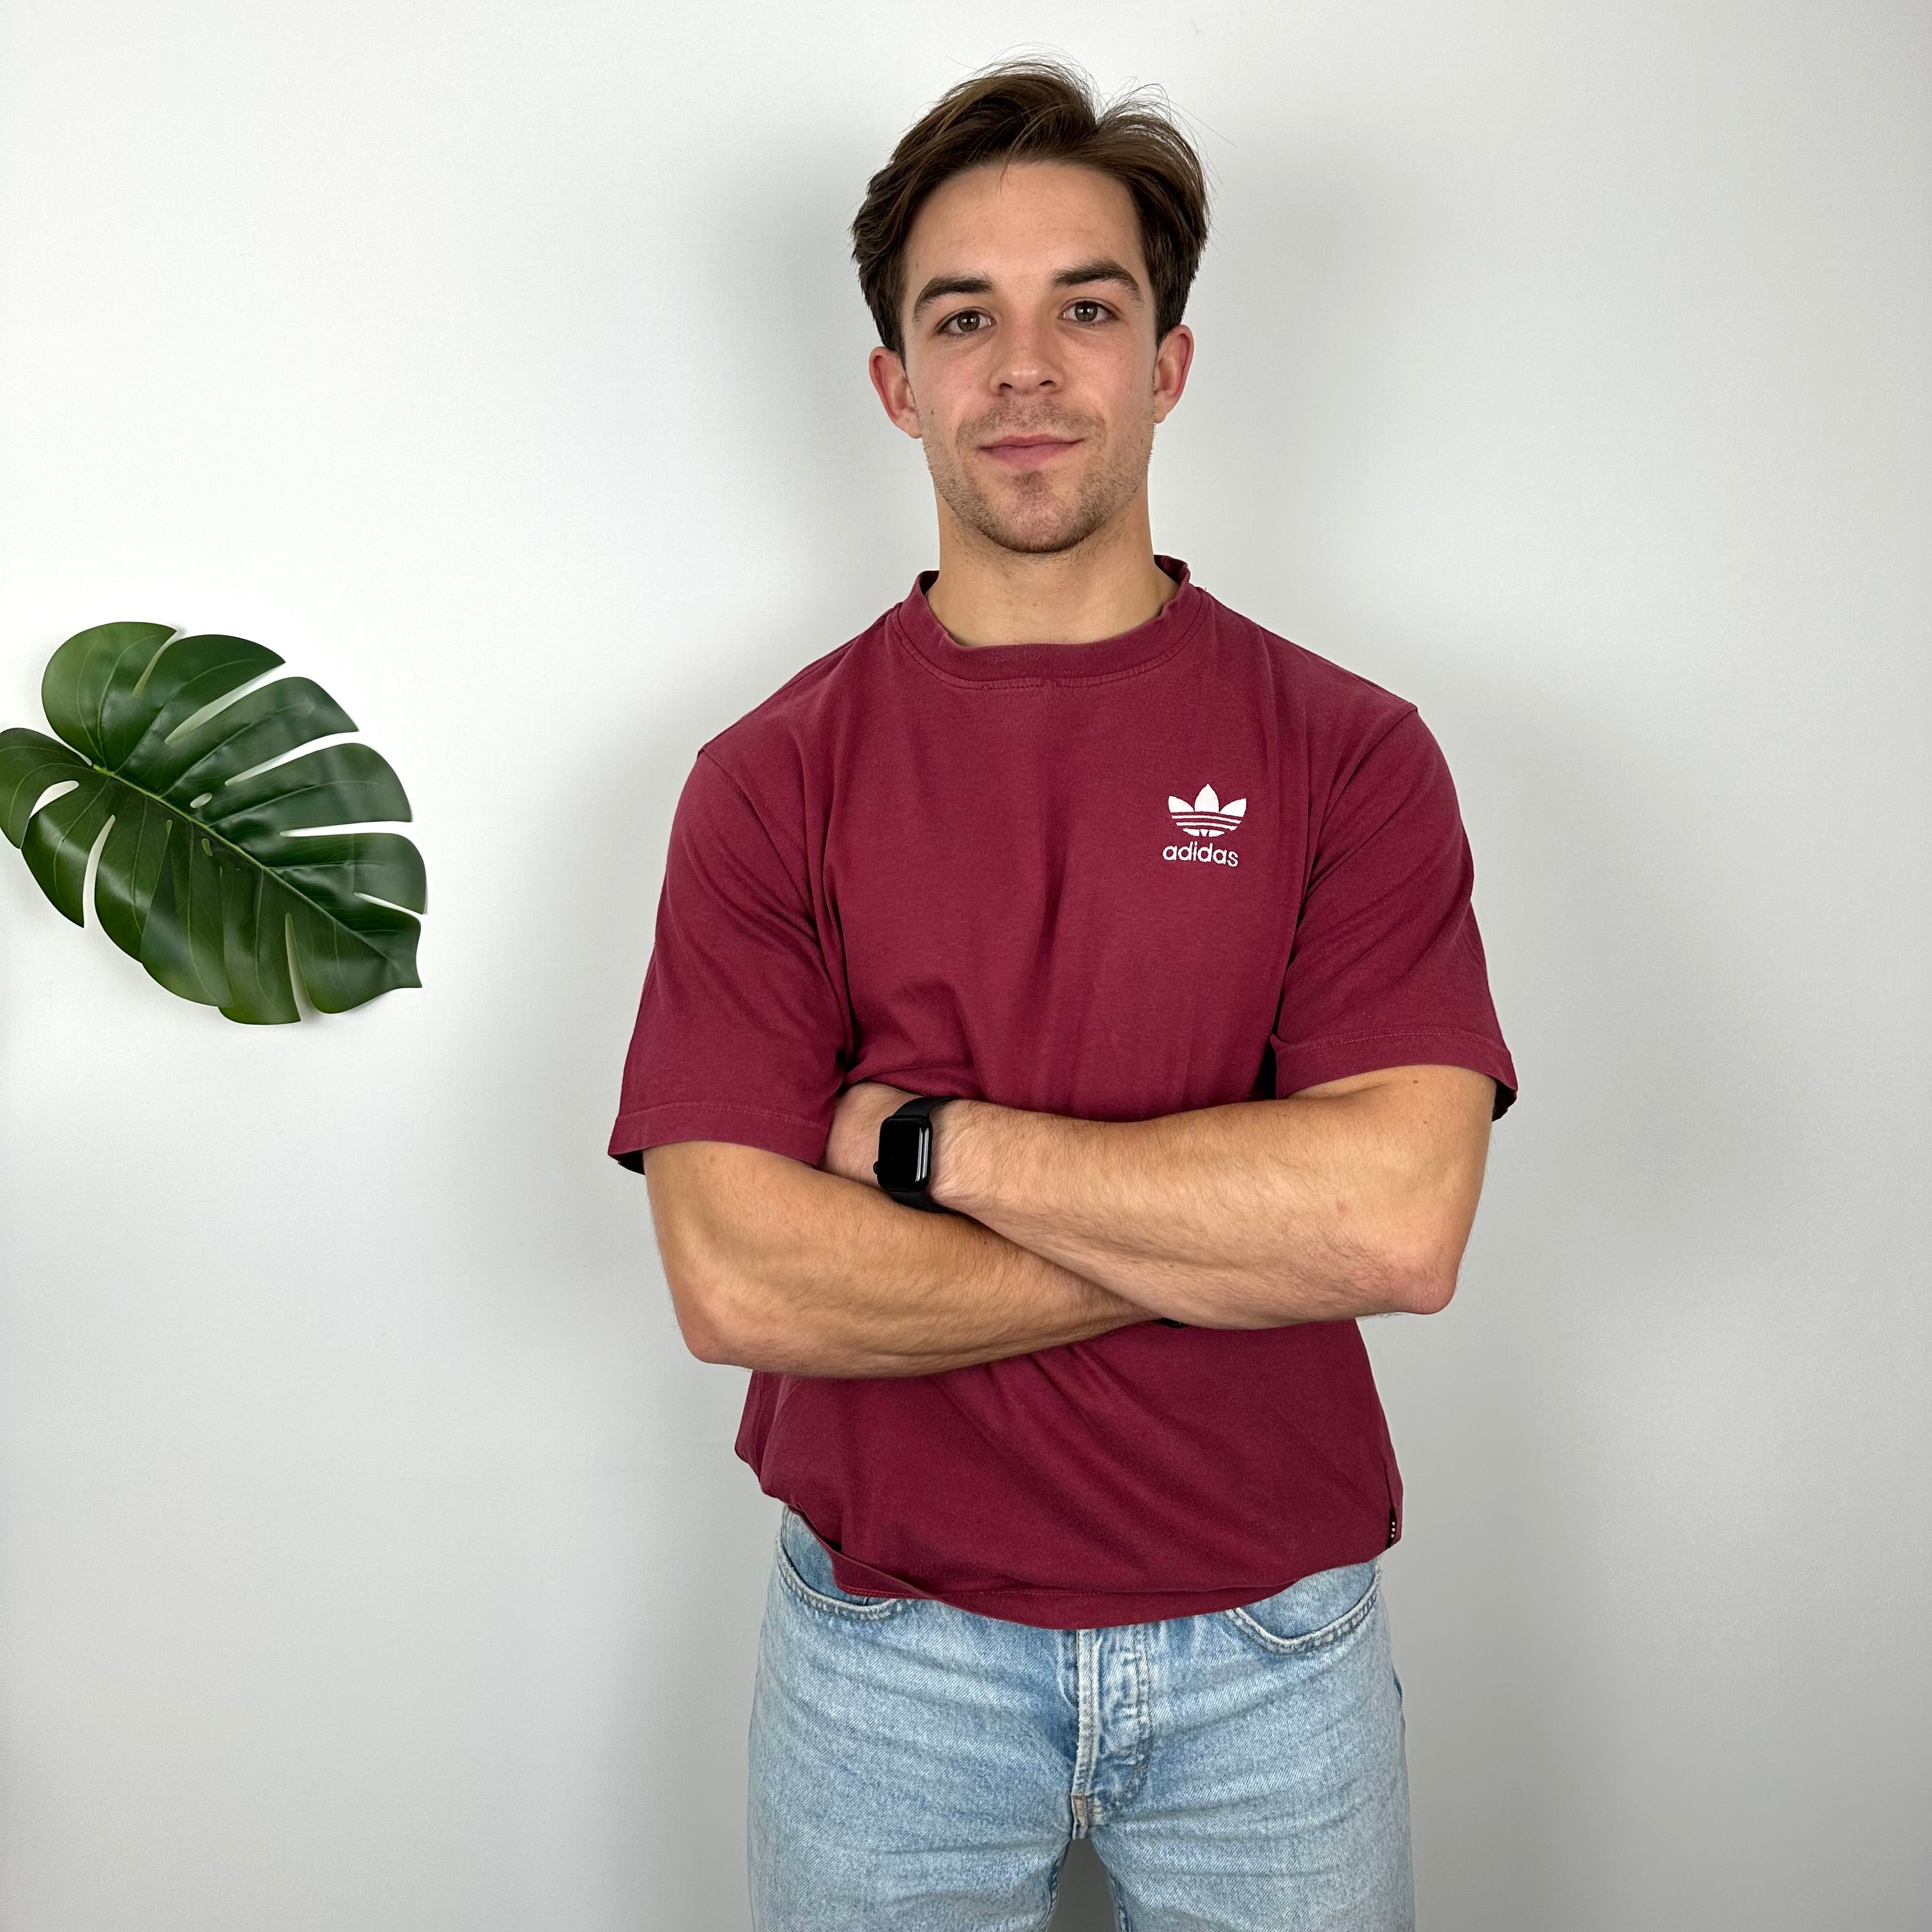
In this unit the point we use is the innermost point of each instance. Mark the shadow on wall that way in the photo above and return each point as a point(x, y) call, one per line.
point(1084, 1905)
point(823, 524)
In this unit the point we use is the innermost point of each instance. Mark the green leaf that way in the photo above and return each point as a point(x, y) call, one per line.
point(212, 868)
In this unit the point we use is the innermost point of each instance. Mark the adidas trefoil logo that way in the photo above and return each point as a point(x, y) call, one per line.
point(1207, 817)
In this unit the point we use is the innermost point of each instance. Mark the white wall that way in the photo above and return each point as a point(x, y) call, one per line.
point(373, 1561)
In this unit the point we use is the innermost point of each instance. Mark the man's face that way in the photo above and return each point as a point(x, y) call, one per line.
point(1031, 372)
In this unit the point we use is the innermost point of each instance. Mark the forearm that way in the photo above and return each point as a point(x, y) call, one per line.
point(823, 1276)
point(1249, 1215)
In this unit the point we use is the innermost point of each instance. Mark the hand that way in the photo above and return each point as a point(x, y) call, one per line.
point(853, 1144)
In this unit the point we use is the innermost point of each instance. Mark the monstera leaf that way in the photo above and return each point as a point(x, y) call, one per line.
point(209, 873)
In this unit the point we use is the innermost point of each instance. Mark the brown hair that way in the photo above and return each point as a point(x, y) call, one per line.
point(1037, 110)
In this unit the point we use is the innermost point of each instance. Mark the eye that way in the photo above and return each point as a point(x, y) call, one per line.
point(1087, 310)
point(969, 322)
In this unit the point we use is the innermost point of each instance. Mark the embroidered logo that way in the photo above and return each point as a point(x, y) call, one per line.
point(1207, 817)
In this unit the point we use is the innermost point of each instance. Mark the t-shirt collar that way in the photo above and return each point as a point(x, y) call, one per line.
point(1147, 644)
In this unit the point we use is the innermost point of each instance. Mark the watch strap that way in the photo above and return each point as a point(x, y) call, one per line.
point(921, 1107)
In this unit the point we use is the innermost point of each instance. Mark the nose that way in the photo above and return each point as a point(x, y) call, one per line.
point(1027, 364)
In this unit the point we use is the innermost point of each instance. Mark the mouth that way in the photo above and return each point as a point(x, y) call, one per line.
point(1028, 452)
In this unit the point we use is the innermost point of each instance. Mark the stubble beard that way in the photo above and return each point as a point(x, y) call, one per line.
point(1035, 513)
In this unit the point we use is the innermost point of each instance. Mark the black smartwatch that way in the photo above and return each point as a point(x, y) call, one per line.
point(905, 1165)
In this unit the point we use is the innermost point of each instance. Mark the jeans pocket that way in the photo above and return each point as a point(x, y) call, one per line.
point(1317, 1611)
point(805, 1568)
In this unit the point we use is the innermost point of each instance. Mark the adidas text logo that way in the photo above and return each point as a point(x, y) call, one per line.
point(1206, 818)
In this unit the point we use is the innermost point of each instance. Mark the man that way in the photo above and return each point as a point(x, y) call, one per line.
point(1065, 1017)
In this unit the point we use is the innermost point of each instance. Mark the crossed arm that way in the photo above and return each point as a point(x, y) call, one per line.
point(1353, 1197)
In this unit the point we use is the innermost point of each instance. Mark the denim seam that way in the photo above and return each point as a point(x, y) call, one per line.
point(1318, 1640)
point(863, 1613)
point(1087, 1735)
point(1143, 1756)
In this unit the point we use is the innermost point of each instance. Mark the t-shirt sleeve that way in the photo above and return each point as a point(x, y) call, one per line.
point(740, 1033)
point(1387, 968)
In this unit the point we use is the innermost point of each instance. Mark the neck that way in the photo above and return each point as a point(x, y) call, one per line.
point(1106, 585)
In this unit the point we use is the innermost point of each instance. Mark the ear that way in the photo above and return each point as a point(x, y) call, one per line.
point(895, 389)
point(1171, 361)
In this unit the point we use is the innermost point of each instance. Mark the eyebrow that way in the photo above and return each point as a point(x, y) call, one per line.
point(1103, 269)
point(952, 285)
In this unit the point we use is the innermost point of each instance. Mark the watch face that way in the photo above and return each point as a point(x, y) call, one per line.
point(905, 1154)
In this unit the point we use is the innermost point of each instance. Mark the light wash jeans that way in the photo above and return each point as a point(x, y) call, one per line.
point(915, 1768)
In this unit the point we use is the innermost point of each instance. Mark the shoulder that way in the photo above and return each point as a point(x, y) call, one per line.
point(787, 734)
point(1330, 709)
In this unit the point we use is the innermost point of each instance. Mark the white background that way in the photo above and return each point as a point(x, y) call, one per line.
point(374, 1559)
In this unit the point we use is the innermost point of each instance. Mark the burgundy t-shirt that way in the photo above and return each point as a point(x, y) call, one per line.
point(1190, 864)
